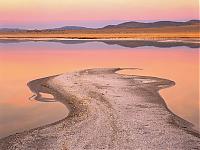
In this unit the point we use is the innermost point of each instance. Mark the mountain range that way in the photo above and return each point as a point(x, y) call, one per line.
point(70, 28)
point(158, 24)
point(131, 24)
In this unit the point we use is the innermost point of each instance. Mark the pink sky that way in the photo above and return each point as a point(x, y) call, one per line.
point(49, 13)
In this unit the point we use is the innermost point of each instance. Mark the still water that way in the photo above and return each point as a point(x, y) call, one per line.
point(21, 62)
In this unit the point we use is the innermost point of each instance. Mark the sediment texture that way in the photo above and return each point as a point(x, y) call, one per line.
point(107, 111)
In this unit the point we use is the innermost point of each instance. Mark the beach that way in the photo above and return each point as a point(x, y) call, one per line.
point(107, 111)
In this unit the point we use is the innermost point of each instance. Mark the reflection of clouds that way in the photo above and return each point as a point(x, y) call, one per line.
point(19, 118)
point(11, 113)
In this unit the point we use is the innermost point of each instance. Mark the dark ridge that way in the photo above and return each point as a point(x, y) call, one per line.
point(11, 30)
point(70, 28)
point(133, 24)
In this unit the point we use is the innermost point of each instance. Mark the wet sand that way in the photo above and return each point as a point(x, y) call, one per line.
point(107, 111)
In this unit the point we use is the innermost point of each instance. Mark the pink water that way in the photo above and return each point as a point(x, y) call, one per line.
point(25, 61)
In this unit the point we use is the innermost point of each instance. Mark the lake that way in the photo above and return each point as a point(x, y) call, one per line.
point(23, 61)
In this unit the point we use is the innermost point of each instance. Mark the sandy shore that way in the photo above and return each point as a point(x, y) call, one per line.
point(107, 111)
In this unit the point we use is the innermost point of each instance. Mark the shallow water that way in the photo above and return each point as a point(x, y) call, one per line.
point(21, 62)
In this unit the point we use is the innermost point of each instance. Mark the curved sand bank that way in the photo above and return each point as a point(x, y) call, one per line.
point(107, 111)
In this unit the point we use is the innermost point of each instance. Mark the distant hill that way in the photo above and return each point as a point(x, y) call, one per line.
point(53, 29)
point(133, 24)
point(10, 30)
point(70, 28)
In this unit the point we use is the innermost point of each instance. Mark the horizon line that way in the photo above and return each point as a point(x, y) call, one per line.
point(39, 25)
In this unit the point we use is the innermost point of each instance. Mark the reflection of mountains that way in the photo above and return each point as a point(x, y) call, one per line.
point(123, 43)
point(135, 43)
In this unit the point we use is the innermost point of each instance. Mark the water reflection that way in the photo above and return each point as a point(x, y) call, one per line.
point(21, 62)
point(125, 43)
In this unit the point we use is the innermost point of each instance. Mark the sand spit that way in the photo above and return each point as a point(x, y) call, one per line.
point(107, 111)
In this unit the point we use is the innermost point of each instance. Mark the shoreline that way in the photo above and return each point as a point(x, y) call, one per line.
point(189, 40)
point(124, 42)
point(88, 94)
point(194, 125)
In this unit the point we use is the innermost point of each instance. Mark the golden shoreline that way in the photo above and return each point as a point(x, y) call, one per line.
point(179, 32)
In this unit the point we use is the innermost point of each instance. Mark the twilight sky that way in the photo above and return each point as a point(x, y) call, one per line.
point(92, 13)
